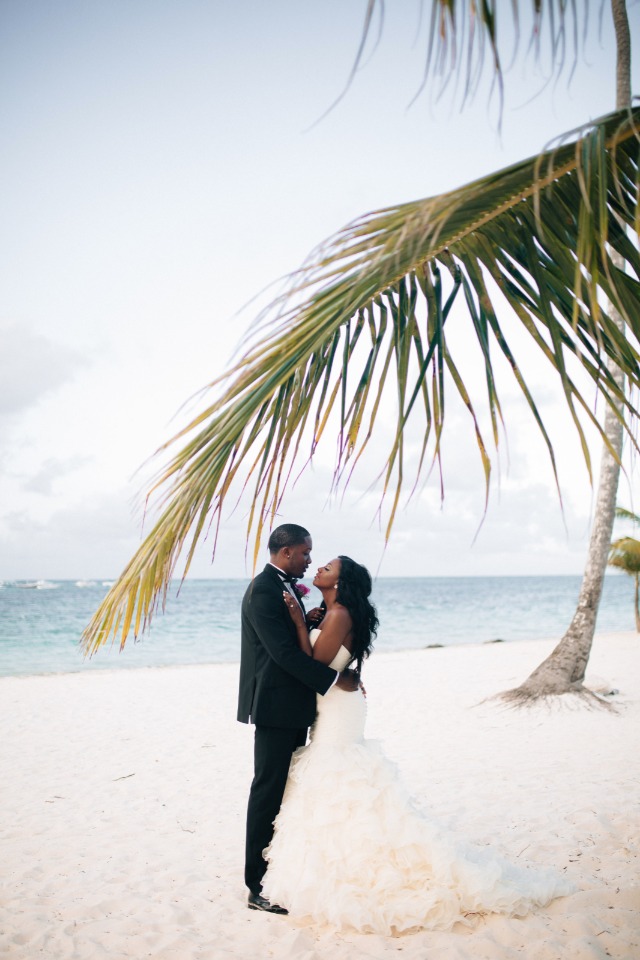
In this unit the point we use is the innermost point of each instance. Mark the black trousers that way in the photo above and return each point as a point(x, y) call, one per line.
point(273, 747)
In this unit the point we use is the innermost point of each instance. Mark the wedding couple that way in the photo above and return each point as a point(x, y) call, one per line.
point(332, 835)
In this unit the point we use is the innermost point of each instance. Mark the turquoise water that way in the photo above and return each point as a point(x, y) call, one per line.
point(41, 623)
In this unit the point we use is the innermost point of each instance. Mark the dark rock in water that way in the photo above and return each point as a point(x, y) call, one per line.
point(433, 646)
point(497, 640)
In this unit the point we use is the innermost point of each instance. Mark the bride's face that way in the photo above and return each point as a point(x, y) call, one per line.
point(327, 576)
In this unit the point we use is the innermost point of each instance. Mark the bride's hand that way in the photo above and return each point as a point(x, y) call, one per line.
point(295, 610)
point(350, 681)
point(314, 616)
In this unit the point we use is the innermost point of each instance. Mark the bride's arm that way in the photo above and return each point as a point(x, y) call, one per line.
point(295, 611)
point(336, 632)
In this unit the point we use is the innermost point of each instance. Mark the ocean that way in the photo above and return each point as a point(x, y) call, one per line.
point(41, 621)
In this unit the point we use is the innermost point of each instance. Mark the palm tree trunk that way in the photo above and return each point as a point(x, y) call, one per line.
point(564, 669)
point(623, 49)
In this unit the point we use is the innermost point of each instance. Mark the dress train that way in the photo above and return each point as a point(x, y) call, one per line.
point(351, 849)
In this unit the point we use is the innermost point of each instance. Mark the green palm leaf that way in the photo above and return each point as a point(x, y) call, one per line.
point(625, 514)
point(370, 313)
point(462, 33)
point(625, 554)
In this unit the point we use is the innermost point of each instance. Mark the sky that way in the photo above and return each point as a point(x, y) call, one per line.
point(164, 163)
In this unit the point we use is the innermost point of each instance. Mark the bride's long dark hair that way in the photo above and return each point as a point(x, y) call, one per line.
point(354, 589)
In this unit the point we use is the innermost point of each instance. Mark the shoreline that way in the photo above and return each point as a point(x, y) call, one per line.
point(42, 583)
point(123, 808)
point(81, 670)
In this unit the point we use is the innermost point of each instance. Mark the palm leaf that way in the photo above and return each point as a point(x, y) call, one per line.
point(462, 34)
point(625, 514)
point(625, 554)
point(370, 314)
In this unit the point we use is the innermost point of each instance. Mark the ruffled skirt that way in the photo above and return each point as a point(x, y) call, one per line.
point(350, 848)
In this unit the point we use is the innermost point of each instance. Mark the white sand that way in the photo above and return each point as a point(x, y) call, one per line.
point(123, 799)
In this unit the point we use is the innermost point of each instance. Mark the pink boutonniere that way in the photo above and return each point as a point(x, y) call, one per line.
point(302, 591)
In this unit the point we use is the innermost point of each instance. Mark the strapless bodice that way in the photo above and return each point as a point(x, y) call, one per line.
point(341, 658)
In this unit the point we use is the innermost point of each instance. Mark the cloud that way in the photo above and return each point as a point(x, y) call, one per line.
point(31, 366)
point(89, 540)
point(50, 471)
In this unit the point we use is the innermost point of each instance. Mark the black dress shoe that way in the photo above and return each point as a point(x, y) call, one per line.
point(256, 901)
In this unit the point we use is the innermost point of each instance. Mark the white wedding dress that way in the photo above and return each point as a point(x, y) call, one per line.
point(351, 850)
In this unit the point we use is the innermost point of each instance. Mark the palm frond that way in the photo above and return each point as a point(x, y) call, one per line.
point(463, 34)
point(371, 311)
point(466, 32)
point(625, 554)
point(625, 514)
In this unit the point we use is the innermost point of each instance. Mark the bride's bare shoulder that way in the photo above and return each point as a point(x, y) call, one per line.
point(338, 616)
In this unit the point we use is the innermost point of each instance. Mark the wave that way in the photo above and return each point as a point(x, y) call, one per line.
point(36, 585)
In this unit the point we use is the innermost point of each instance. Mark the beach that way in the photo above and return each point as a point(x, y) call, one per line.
point(123, 802)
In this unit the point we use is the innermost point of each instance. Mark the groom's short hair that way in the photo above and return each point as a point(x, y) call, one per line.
point(287, 535)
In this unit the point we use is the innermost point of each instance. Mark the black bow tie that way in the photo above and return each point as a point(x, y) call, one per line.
point(287, 579)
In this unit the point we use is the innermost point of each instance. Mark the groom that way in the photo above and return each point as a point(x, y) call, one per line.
point(278, 687)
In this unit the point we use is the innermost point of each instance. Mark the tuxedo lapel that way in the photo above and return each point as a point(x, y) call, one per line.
point(289, 587)
point(299, 599)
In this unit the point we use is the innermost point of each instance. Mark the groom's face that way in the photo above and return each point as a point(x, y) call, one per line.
point(298, 558)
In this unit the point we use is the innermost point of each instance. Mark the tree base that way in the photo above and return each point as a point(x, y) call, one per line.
point(530, 693)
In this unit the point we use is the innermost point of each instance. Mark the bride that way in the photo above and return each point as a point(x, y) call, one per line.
point(349, 847)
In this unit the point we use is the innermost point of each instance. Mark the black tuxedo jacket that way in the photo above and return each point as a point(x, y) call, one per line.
point(278, 682)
